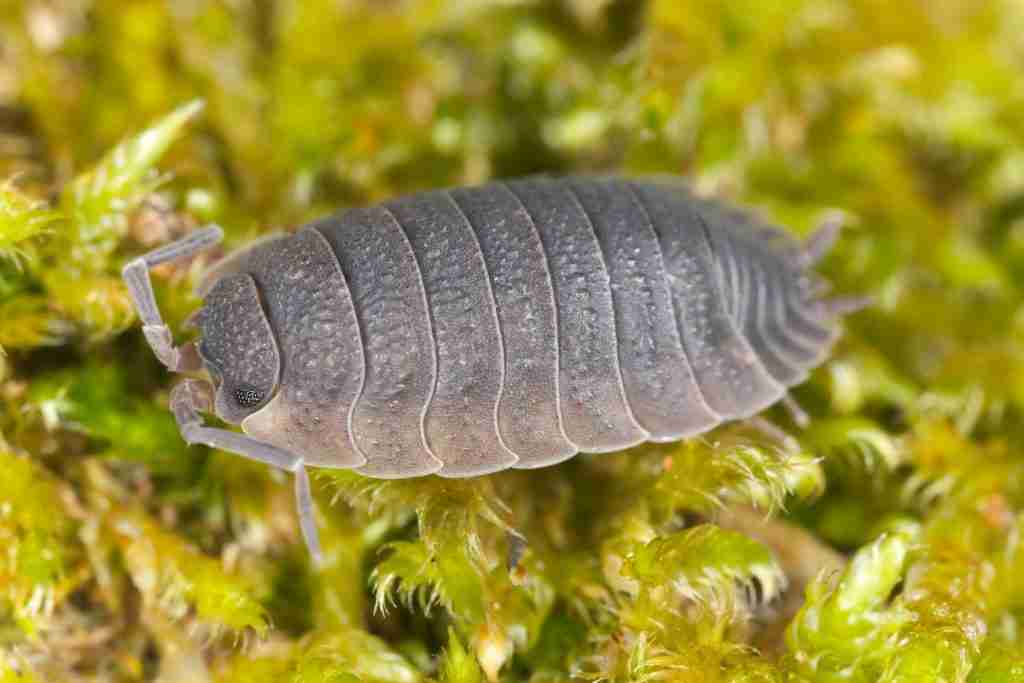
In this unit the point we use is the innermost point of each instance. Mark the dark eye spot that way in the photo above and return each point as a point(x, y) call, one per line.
point(247, 398)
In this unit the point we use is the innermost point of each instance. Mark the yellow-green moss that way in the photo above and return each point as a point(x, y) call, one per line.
point(128, 556)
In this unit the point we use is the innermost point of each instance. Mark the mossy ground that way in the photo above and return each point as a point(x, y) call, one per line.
point(893, 552)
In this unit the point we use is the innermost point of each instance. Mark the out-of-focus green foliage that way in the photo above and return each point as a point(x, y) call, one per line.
point(129, 557)
point(39, 537)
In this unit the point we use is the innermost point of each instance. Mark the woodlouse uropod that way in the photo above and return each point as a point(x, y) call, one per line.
point(513, 324)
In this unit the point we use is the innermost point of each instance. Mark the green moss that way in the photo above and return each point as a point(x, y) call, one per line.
point(40, 542)
point(458, 665)
point(845, 630)
point(134, 558)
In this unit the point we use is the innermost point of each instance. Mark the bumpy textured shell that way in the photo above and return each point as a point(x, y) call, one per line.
point(512, 324)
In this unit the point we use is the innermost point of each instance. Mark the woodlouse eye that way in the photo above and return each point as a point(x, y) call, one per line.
point(247, 398)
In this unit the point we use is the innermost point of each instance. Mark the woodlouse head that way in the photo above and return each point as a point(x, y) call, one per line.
point(237, 347)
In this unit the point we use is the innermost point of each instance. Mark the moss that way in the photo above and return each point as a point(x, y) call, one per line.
point(130, 557)
point(41, 544)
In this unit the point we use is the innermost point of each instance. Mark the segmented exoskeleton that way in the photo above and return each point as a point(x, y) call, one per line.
point(514, 324)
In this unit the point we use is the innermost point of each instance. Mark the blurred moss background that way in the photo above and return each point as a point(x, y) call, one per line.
point(885, 548)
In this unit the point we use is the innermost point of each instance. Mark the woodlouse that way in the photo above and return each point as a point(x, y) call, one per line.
point(512, 324)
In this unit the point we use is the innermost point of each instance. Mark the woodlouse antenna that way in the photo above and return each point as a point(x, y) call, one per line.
point(140, 289)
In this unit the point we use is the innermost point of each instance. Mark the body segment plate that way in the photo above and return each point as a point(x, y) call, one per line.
point(528, 417)
point(391, 309)
point(595, 414)
point(461, 421)
point(731, 378)
point(659, 384)
point(311, 313)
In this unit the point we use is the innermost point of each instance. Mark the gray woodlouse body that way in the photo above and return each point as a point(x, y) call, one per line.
point(514, 324)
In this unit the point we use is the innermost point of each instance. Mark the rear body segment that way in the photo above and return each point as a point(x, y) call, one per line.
point(753, 280)
point(767, 275)
point(731, 377)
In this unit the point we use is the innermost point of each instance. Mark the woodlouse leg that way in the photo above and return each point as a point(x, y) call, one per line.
point(822, 239)
point(140, 288)
point(191, 397)
point(840, 306)
point(799, 416)
point(774, 433)
point(818, 288)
